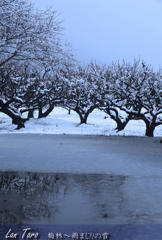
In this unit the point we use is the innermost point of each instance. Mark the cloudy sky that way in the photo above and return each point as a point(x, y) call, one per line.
point(108, 30)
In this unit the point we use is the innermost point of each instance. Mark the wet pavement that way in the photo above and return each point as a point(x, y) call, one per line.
point(60, 179)
point(47, 198)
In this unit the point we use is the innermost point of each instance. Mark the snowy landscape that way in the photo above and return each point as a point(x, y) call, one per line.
point(60, 122)
point(80, 142)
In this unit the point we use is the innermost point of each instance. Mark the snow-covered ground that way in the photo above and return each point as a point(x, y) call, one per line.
point(60, 122)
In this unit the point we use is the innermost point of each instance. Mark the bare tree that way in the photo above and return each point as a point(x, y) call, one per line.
point(29, 34)
point(9, 97)
point(33, 38)
point(83, 91)
point(138, 92)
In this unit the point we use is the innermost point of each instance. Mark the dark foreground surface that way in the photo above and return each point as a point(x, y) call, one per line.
point(71, 179)
point(80, 154)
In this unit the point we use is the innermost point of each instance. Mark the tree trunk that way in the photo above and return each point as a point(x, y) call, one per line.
point(40, 113)
point(83, 114)
point(12, 113)
point(150, 126)
point(83, 119)
point(31, 113)
point(120, 125)
point(46, 113)
point(17, 120)
point(150, 130)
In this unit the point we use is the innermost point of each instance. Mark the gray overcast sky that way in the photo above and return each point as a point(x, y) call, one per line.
point(108, 30)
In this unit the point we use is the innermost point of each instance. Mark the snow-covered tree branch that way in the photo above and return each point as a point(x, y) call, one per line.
point(32, 38)
point(83, 90)
point(137, 90)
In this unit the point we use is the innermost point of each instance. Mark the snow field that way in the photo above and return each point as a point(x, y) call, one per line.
point(60, 122)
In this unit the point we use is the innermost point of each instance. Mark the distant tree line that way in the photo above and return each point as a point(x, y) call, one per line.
point(39, 72)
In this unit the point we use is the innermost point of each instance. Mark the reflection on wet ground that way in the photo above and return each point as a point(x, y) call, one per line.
point(50, 198)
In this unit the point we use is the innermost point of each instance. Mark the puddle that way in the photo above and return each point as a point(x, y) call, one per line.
point(50, 198)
